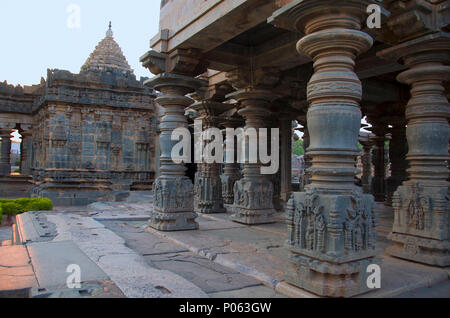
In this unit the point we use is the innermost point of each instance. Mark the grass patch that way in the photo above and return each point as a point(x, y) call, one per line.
point(11, 207)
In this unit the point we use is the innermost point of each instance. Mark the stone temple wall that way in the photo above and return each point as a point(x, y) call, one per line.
point(93, 137)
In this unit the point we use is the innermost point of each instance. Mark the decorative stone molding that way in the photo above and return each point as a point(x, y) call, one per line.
point(332, 225)
point(421, 227)
point(173, 192)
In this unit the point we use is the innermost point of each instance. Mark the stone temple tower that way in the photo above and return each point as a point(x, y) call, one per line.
point(93, 137)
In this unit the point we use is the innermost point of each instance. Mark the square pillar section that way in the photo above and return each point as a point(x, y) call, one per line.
point(173, 193)
point(331, 226)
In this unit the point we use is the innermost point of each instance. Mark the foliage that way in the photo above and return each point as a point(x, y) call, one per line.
point(12, 207)
point(298, 148)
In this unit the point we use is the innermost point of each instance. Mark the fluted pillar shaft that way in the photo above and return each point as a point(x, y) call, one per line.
point(253, 194)
point(421, 226)
point(331, 226)
point(173, 194)
point(5, 160)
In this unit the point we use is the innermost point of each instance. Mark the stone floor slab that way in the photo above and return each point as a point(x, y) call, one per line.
point(51, 260)
point(16, 272)
point(248, 292)
point(209, 276)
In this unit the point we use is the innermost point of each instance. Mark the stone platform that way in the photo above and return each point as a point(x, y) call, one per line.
point(15, 186)
point(120, 256)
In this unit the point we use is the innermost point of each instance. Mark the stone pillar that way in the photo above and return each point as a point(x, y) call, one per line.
point(307, 158)
point(253, 194)
point(378, 160)
point(286, 157)
point(208, 185)
point(421, 226)
point(397, 153)
point(231, 171)
point(331, 226)
point(173, 193)
point(367, 166)
point(26, 152)
point(5, 160)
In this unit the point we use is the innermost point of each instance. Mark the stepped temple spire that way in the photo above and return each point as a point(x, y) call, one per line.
point(107, 54)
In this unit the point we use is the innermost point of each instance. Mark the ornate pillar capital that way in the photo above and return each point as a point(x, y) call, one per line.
point(181, 61)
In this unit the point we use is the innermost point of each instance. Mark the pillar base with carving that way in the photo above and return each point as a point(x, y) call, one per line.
point(228, 181)
point(208, 190)
point(421, 214)
point(173, 205)
point(253, 202)
point(331, 242)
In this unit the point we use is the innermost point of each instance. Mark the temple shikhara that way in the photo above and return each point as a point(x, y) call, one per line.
point(366, 88)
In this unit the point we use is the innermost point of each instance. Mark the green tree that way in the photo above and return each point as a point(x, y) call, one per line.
point(298, 148)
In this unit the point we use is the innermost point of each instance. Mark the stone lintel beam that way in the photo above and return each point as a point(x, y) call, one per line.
point(173, 192)
point(331, 226)
point(421, 226)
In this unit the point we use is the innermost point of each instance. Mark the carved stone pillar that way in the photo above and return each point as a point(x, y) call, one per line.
point(173, 193)
point(208, 185)
point(231, 171)
point(5, 160)
point(307, 158)
point(331, 226)
point(378, 160)
point(26, 152)
point(286, 157)
point(253, 194)
point(397, 153)
point(367, 165)
point(421, 226)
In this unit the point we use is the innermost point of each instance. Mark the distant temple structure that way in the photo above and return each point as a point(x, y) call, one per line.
point(85, 137)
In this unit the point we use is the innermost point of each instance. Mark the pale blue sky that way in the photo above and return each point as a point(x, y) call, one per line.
point(35, 34)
